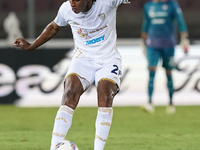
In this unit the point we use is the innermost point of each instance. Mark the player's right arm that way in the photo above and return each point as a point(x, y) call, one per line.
point(144, 29)
point(50, 30)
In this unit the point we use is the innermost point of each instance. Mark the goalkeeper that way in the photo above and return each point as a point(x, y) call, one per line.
point(159, 40)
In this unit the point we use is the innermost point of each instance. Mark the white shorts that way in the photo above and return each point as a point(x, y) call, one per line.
point(89, 70)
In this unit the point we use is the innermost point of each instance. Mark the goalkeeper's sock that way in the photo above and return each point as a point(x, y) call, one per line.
point(151, 85)
point(170, 88)
point(103, 124)
point(62, 124)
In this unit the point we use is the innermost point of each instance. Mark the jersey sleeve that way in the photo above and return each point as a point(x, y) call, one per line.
point(179, 17)
point(114, 3)
point(145, 20)
point(59, 20)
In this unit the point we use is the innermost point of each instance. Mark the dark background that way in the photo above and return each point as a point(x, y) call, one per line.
point(129, 17)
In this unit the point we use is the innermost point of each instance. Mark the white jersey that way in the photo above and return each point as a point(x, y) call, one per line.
point(94, 32)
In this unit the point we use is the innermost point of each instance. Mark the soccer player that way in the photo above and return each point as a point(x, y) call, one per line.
point(95, 58)
point(159, 40)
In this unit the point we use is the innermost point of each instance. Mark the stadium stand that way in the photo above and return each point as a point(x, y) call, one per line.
point(15, 5)
point(195, 4)
point(133, 6)
point(130, 14)
point(42, 5)
point(184, 4)
point(1, 4)
point(56, 4)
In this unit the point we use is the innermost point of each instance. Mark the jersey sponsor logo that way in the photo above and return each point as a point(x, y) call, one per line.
point(83, 33)
point(102, 16)
point(98, 29)
point(158, 21)
point(152, 8)
point(154, 14)
point(93, 41)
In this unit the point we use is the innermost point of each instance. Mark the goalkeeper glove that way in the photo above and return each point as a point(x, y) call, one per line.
point(144, 48)
point(185, 44)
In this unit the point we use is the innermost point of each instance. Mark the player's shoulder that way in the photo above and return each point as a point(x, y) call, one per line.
point(149, 3)
point(172, 2)
point(65, 6)
point(101, 1)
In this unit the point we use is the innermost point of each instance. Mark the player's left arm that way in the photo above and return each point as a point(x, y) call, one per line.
point(184, 41)
point(182, 28)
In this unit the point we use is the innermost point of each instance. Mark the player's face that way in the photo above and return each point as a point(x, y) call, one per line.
point(80, 5)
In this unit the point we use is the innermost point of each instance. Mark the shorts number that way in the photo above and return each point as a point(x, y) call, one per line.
point(116, 70)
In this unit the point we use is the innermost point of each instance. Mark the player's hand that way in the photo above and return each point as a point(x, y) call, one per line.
point(185, 44)
point(144, 48)
point(22, 43)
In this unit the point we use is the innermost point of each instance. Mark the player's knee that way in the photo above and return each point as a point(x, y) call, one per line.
point(152, 68)
point(106, 99)
point(168, 72)
point(71, 96)
point(70, 92)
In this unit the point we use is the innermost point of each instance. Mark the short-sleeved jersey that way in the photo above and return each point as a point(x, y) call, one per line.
point(159, 23)
point(94, 32)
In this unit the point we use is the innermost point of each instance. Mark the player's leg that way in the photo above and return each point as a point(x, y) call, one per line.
point(152, 72)
point(170, 86)
point(75, 84)
point(72, 92)
point(108, 82)
point(106, 91)
point(170, 109)
point(168, 64)
point(153, 56)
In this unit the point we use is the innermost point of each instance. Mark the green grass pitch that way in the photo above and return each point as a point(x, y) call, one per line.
point(132, 129)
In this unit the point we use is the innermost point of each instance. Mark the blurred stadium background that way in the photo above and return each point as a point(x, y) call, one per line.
point(34, 15)
point(36, 79)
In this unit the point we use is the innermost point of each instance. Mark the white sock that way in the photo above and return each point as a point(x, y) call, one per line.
point(103, 124)
point(62, 124)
